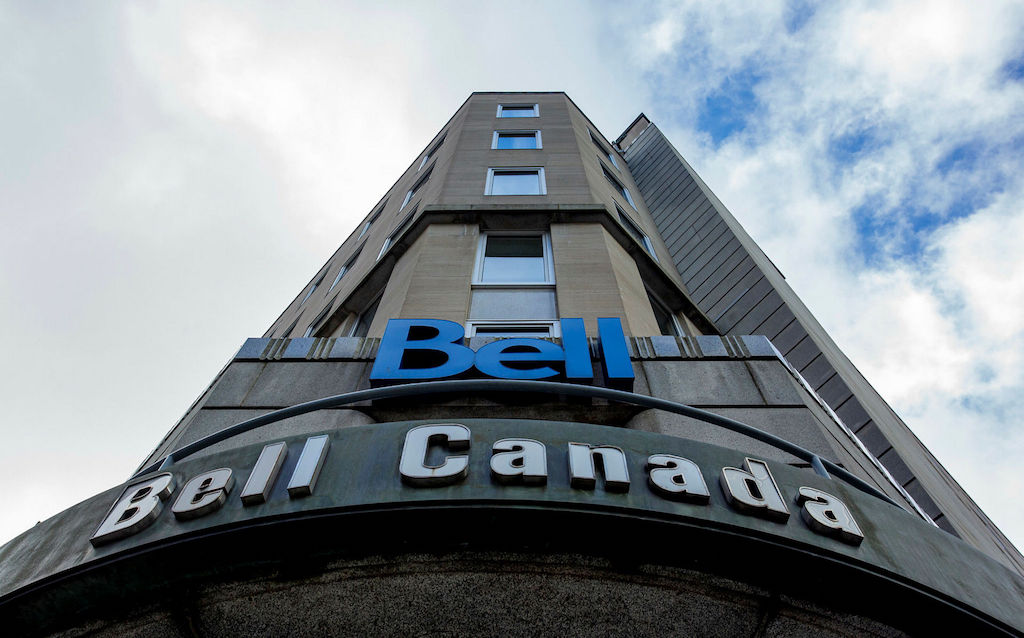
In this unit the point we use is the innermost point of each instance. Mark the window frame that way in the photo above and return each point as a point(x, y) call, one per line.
point(288, 331)
point(644, 240)
point(549, 264)
point(657, 303)
point(345, 267)
point(473, 325)
point(433, 151)
point(373, 218)
point(608, 154)
point(542, 181)
point(517, 106)
point(415, 188)
point(375, 304)
point(316, 284)
point(536, 136)
point(393, 235)
point(319, 319)
point(617, 184)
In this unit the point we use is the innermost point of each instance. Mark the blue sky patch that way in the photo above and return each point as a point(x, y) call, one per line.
point(797, 13)
point(962, 158)
point(1013, 69)
point(844, 148)
point(727, 110)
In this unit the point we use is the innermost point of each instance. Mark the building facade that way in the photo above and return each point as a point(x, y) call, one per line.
point(548, 384)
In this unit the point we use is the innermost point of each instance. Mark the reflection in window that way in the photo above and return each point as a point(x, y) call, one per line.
point(373, 218)
point(516, 140)
point(518, 110)
point(636, 233)
point(513, 258)
point(315, 324)
point(617, 185)
point(347, 266)
point(416, 187)
point(668, 324)
point(513, 287)
point(362, 327)
point(433, 151)
point(607, 154)
point(515, 181)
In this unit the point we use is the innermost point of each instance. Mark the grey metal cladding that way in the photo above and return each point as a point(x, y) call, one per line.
point(853, 415)
point(873, 439)
point(757, 315)
point(816, 373)
point(802, 354)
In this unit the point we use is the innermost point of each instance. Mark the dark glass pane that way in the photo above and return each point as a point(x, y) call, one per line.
point(513, 246)
point(365, 319)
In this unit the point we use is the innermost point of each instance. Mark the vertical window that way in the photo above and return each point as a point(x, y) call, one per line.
point(516, 140)
point(416, 187)
point(609, 155)
point(319, 319)
point(515, 181)
point(316, 283)
point(362, 325)
point(395, 234)
point(433, 151)
point(668, 323)
point(518, 110)
point(373, 218)
point(513, 287)
point(288, 331)
point(344, 269)
point(636, 233)
point(617, 185)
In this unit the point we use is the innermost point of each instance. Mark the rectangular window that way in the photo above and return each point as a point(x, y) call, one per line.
point(515, 181)
point(637, 234)
point(373, 218)
point(617, 185)
point(319, 319)
point(344, 269)
point(526, 329)
point(516, 140)
point(396, 233)
point(605, 152)
point(514, 259)
point(433, 151)
point(513, 287)
point(518, 110)
point(416, 187)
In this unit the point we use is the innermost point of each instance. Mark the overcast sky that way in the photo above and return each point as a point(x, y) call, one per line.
point(171, 174)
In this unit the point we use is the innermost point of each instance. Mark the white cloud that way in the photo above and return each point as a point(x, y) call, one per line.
point(937, 328)
point(176, 172)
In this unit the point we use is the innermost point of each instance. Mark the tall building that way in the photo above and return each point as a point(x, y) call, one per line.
point(548, 384)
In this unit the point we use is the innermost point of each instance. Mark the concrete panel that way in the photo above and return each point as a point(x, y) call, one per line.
point(234, 384)
point(702, 383)
point(286, 383)
point(776, 384)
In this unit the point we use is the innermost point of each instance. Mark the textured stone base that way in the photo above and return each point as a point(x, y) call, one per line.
point(482, 594)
